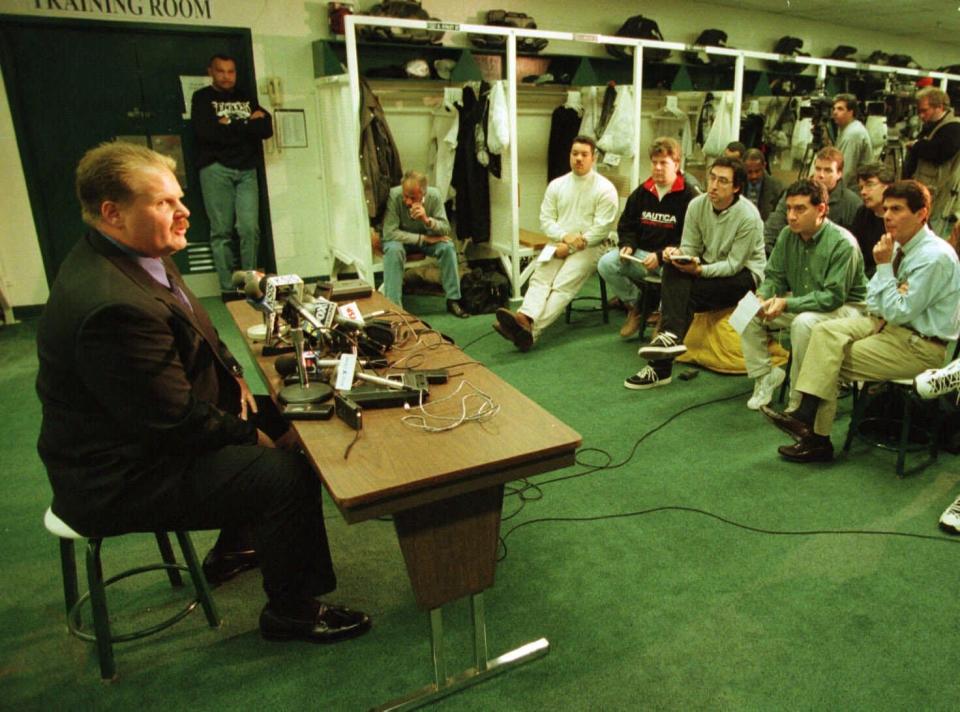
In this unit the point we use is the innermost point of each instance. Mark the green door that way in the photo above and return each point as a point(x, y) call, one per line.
point(72, 85)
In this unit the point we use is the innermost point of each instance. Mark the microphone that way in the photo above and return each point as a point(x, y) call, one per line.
point(286, 365)
point(306, 314)
point(241, 278)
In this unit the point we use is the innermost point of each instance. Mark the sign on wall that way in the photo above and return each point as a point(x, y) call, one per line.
point(133, 9)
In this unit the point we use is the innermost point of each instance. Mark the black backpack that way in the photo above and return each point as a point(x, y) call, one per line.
point(483, 292)
point(504, 18)
point(645, 29)
point(405, 10)
point(789, 46)
point(711, 38)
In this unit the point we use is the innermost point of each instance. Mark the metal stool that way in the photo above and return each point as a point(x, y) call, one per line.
point(97, 593)
point(602, 299)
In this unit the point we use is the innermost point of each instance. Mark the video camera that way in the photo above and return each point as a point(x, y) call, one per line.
point(819, 111)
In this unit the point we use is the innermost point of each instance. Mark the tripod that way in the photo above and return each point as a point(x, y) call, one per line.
point(809, 155)
point(892, 155)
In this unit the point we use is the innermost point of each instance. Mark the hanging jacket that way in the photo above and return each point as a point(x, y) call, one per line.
point(379, 158)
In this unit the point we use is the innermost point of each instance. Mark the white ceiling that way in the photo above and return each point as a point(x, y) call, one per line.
point(937, 20)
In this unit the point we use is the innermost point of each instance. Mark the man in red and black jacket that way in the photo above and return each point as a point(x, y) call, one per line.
point(652, 220)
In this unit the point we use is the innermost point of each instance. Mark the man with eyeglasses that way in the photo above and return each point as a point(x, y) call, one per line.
point(720, 258)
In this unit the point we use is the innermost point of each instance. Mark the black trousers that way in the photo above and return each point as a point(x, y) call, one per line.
point(273, 492)
point(681, 295)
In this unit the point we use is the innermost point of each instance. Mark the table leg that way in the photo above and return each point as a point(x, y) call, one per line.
point(450, 549)
point(484, 668)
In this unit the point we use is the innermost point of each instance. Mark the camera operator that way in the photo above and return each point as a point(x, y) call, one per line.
point(934, 158)
point(853, 141)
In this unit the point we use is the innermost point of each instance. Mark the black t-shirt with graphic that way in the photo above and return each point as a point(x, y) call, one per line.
point(235, 144)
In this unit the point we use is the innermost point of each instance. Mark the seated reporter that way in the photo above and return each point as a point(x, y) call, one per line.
point(814, 273)
point(146, 418)
point(415, 220)
point(912, 303)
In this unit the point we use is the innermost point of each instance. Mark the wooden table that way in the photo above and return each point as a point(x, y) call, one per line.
point(443, 490)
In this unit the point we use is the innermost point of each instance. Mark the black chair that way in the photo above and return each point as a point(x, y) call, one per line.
point(894, 426)
point(649, 300)
point(602, 299)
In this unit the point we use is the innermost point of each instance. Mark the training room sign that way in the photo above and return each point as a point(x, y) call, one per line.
point(130, 9)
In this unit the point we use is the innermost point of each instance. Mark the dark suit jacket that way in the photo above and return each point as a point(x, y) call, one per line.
point(133, 385)
point(770, 193)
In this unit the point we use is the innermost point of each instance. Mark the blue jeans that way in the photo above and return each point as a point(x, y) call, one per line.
point(623, 276)
point(395, 255)
point(232, 199)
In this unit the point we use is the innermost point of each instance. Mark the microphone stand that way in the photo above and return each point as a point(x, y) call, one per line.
point(304, 391)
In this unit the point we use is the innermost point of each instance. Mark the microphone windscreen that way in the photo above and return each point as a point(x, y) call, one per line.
point(239, 279)
point(286, 365)
point(254, 290)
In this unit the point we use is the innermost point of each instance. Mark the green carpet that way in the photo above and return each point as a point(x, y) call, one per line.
point(647, 600)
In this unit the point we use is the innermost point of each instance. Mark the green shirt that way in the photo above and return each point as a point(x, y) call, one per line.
point(820, 275)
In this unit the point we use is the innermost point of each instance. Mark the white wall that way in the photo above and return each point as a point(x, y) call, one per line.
point(282, 33)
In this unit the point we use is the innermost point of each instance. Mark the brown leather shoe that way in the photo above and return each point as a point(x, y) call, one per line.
point(632, 325)
point(509, 326)
point(814, 448)
point(796, 429)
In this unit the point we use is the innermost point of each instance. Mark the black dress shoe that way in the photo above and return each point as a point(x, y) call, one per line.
point(793, 427)
point(219, 566)
point(331, 624)
point(453, 306)
point(814, 448)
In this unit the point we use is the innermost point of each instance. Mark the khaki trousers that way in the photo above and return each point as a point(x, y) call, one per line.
point(856, 349)
point(753, 341)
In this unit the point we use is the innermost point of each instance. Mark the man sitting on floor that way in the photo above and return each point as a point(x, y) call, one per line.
point(814, 273)
point(913, 304)
point(720, 258)
point(416, 220)
point(147, 422)
point(576, 214)
point(651, 221)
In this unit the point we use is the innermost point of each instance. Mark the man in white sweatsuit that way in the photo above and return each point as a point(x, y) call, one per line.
point(577, 214)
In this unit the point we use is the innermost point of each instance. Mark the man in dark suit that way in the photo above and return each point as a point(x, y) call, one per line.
point(147, 422)
point(762, 189)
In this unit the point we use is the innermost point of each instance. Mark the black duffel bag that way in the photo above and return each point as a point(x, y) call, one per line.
point(483, 292)
point(642, 28)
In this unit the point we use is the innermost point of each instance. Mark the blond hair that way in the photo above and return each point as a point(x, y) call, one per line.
point(104, 173)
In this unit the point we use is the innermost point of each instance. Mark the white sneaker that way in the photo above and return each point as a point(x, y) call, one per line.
point(664, 345)
point(950, 519)
point(646, 378)
point(764, 388)
point(936, 382)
